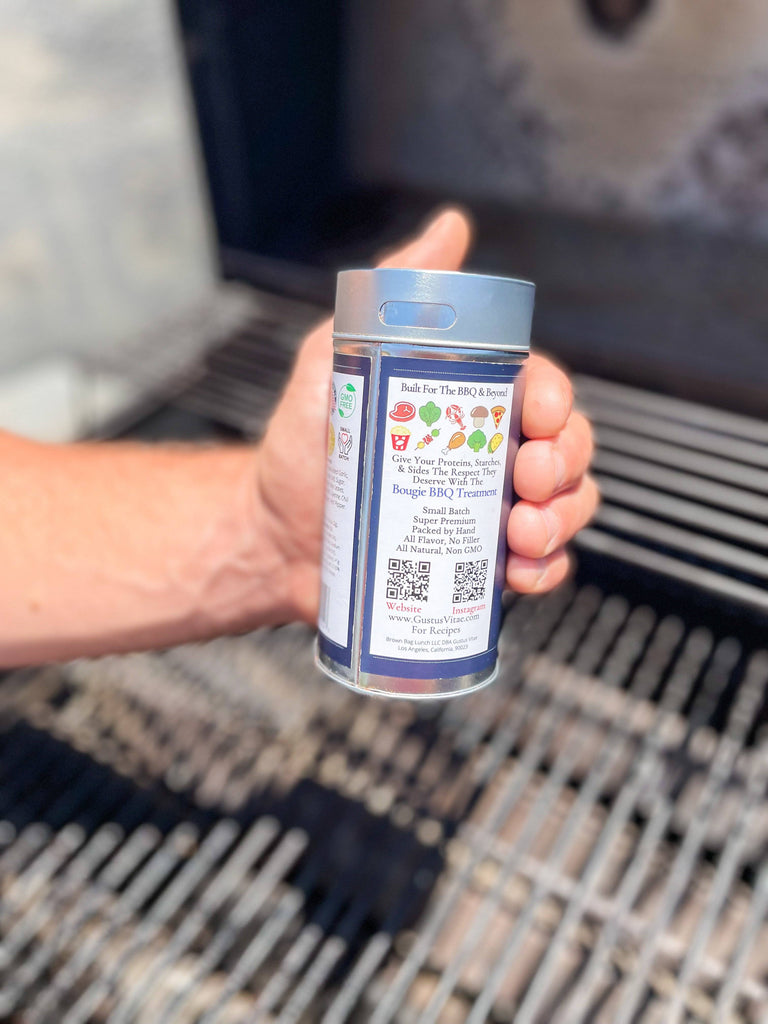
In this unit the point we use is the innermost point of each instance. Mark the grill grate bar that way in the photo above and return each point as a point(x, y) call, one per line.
point(260, 889)
point(705, 580)
point(470, 733)
point(40, 907)
point(724, 661)
point(28, 844)
point(715, 467)
point(32, 798)
point(688, 486)
point(728, 865)
point(332, 951)
point(384, 758)
point(38, 873)
point(758, 910)
point(300, 953)
point(359, 978)
point(749, 445)
point(262, 944)
point(587, 678)
point(607, 761)
point(117, 870)
point(368, 963)
point(700, 517)
point(160, 865)
point(647, 774)
point(223, 886)
point(85, 861)
point(216, 843)
point(598, 638)
point(233, 396)
point(654, 531)
point(550, 719)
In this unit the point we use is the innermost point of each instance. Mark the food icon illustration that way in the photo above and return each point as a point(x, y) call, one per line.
point(479, 415)
point(430, 413)
point(494, 443)
point(476, 441)
point(331, 439)
point(456, 441)
point(402, 412)
point(400, 437)
point(428, 439)
point(497, 412)
point(345, 441)
point(455, 416)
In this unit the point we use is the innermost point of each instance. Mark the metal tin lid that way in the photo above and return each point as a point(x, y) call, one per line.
point(434, 307)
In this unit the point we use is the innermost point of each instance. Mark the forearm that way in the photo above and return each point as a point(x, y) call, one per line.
point(124, 547)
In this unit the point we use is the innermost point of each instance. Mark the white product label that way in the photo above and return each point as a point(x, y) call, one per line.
point(442, 488)
point(344, 436)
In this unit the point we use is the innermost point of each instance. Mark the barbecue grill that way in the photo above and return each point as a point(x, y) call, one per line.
point(215, 834)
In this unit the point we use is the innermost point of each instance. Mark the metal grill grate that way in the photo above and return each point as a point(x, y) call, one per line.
point(583, 841)
point(685, 490)
point(214, 834)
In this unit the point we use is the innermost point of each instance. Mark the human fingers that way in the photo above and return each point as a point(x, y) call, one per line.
point(548, 398)
point(546, 467)
point(536, 575)
point(537, 530)
point(441, 245)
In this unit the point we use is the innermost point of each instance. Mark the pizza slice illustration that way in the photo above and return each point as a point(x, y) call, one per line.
point(497, 412)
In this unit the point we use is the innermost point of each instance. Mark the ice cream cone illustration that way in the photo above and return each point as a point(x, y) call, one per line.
point(400, 436)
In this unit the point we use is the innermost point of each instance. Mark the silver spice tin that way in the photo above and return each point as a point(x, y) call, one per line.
point(426, 399)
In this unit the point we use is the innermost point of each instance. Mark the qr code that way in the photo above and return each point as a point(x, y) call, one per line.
point(407, 579)
point(469, 579)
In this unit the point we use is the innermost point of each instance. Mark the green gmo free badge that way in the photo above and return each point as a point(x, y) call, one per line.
point(347, 400)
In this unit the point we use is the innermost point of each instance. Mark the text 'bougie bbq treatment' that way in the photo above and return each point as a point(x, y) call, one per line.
point(424, 427)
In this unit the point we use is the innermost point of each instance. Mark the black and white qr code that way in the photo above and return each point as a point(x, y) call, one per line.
point(407, 579)
point(469, 580)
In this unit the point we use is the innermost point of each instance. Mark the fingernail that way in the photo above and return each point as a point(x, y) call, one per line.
point(530, 574)
point(551, 525)
point(561, 469)
point(541, 572)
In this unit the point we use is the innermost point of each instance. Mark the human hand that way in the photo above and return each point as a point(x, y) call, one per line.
point(557, 498)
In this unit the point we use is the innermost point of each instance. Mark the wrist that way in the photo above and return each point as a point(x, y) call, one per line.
point(245, 576)
point(295, 578)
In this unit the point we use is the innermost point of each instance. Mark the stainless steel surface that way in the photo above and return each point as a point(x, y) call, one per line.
point(485, 312)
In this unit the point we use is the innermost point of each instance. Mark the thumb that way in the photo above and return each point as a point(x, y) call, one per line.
point(441, 245)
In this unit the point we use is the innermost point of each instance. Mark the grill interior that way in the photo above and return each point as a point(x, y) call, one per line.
point(217, 834)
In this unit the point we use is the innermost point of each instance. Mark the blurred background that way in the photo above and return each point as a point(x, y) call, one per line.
point(215, 833)
point(614, 151)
